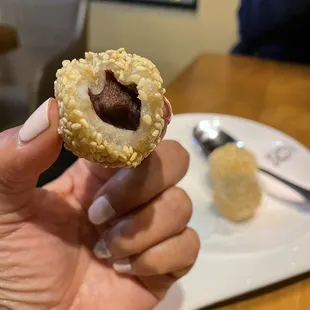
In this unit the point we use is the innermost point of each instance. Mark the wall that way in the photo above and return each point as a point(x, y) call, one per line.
point(170, 38)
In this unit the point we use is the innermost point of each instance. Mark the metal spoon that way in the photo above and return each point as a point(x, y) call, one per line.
point(209, 136)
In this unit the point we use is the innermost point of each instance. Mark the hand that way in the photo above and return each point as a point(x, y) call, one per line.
point(140, 240)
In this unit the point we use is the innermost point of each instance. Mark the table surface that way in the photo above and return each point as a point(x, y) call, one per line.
point(272, 93)
point(8, 39)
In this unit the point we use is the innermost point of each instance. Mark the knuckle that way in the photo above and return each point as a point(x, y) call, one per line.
point(193, 245)
point(181, 204)
point(177, 151)
point(119, 248)
point(118, 245)
point(9, 181)
point(149, 266)
point(176, 158)
point(181, 273)
point(182, 154)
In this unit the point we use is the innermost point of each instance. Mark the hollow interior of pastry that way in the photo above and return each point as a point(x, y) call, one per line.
point(117, 104)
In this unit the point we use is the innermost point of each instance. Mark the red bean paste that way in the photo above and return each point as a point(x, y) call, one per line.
point(117, 104)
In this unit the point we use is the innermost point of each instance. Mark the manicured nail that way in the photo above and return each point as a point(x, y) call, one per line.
point(168, 113)
point(36, 124)
point(122, 266)
point(101, 250)
point(100, 211)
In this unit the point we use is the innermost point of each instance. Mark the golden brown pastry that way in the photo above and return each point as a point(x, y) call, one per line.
point(111, 107)
point(236, 191)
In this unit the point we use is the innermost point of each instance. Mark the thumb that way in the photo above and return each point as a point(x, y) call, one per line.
point(27, 151)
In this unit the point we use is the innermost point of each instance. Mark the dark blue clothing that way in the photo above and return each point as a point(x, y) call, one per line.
point(277, 29)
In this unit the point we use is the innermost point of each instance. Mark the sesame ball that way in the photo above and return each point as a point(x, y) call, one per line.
point(236, 190)
point(111, 107)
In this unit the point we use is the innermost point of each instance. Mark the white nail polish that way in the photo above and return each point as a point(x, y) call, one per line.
point(101, 250)
point(123, 266)
point(36, 123)
point(100, 211)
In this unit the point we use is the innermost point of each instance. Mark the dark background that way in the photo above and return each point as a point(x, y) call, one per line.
point(185, 4)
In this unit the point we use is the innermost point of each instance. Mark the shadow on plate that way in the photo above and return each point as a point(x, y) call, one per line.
point(173, 300)
point(302, 206)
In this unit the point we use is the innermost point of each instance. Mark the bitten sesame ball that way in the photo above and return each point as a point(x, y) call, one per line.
point(236, 191)
point(111, 107)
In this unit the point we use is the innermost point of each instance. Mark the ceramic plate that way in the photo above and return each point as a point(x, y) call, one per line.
point(238, 258)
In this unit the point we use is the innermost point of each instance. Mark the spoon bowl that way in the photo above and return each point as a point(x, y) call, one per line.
point(210, 136)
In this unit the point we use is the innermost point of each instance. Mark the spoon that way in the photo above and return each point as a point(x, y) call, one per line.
point(209, 136)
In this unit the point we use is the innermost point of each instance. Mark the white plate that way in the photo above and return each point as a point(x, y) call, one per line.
point(238, 258)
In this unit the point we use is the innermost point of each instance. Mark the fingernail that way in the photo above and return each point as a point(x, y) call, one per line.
point(36, 124)
point(123, 266)
point(168, 113)
point(100, 211)
point(101, 250)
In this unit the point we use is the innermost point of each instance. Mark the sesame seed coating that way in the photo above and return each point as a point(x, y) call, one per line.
point(84, 133)
point(236, 191)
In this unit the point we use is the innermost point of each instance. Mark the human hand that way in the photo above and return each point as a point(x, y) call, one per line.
point(141, 241)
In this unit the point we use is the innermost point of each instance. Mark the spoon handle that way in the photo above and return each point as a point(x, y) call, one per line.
point(302, 191)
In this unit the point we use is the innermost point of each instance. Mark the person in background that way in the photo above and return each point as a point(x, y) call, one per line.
point(275, 29)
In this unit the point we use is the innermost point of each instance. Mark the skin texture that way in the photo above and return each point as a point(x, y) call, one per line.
point(46, 239)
